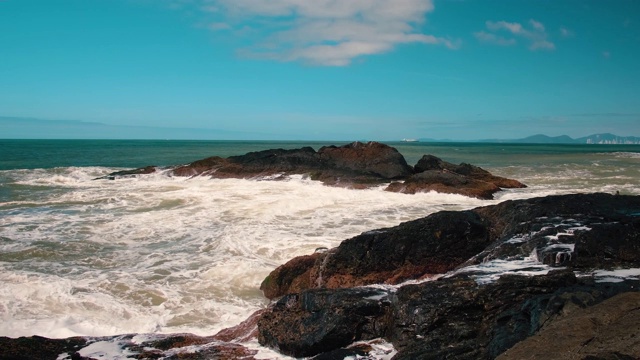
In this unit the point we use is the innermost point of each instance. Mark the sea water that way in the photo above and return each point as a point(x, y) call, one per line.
point(162, 254)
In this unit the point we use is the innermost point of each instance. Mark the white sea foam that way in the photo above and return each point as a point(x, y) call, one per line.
point(617, 275)
point(162, 254)
point(492, 270)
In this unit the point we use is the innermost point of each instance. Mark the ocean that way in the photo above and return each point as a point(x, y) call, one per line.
point(160, 254)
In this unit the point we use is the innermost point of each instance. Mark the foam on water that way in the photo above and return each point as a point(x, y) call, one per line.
point(162, 254)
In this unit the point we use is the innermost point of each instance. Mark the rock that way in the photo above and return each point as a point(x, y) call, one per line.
point(415, 249)
point(435, 174)
point(609, 330)
point(374, 158)
point(129, 173)
point(38, 347)
point(242, 332)
point(559, 230)
point(357, 165)
point(150, 346)
point(317, 321)
point(448, 318)
point(473, 311)
point(445, 182)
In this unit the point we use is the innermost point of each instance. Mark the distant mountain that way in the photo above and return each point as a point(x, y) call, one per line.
point(544, 139)
point(564, 139)
point(608, 139)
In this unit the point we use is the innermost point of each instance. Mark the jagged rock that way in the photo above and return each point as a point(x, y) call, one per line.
point(372, 157)
point(415, 249)
point(560, 230)
point(321, 320)
point(38, 347)
point(445, 182)
point(450, 318)
point(435, 174)
point(170, 347)
point(464, 315)
point(356, 165)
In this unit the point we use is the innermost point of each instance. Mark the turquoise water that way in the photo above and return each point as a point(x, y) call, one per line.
point(34, 154)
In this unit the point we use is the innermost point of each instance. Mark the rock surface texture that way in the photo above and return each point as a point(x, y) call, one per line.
point(355, 165)
point(473, 293)
point(544, 278)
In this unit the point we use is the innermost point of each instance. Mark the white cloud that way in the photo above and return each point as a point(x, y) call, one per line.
point(324, 32)
point(514, 28)
point(494, 39)
point(535, 34)
point(566, 33)
point(537, 25)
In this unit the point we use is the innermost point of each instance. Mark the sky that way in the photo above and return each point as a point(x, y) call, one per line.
point(319, 69)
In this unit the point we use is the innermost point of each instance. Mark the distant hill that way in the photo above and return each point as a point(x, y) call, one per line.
point(544, 139)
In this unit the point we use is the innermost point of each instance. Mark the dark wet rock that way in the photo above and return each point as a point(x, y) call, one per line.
point(321, 320)
point(450, 318)
point(129, 173)
point(584, 231)
point(463, 315)
point(415, 249)
point(352, 164)
point(435, 174)
point(559, 230)
point(445, 182)
point(37, 347)
point(170, 347)
point(443, 320)
point(355, 165)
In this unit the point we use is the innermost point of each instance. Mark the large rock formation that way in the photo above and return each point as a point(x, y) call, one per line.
point(473, 310)
point(559, 230)
point(356, 165)
point(452, 318)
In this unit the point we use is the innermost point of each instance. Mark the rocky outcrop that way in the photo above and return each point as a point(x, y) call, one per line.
point(558, 230)
point(434, 174)
point(472, 310)
point(355, 165)
point(412, 250)
point(451, 318)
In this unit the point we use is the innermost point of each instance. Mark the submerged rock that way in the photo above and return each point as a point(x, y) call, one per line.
point(355, 165)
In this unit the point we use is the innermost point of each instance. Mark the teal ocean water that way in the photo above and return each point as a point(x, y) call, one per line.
point(160, 254)
point(32, 154)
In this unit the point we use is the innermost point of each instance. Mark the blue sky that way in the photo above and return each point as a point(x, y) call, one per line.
point(318, 69)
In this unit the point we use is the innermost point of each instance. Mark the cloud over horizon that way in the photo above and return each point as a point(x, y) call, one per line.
point(323, 32)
